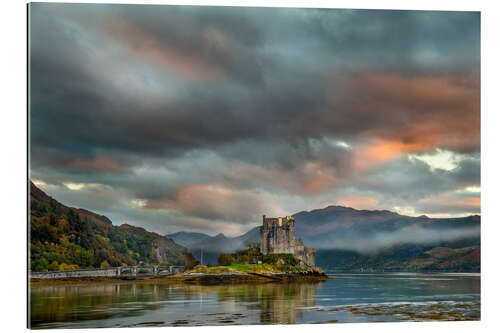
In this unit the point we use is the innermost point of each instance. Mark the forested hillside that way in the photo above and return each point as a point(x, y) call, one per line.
point(457, 256)
point(63, 237)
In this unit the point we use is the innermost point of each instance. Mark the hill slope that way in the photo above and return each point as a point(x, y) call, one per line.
point(75, 236)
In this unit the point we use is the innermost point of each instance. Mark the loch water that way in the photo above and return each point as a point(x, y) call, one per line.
point(347, 297)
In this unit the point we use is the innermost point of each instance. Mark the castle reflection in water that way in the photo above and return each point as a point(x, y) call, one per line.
point(270, 303)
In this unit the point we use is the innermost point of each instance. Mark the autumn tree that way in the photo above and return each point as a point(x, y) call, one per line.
point(105, 264)
point(54, 266)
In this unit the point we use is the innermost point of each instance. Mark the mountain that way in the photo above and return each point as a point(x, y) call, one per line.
point(372, 230)
point(66, 237)
point(458, 256)
point(213, 246)
point(351, 239)
point(187, 238)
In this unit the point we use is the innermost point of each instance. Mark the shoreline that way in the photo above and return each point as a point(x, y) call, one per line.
point(199, 278)
point(208, 279)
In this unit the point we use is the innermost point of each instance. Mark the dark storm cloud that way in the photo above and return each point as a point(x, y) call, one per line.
point(411, 180)
point(272, 107)
point(157, 101)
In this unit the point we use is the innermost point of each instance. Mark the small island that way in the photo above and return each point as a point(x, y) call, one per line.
point(272, 267)
point(279, 257)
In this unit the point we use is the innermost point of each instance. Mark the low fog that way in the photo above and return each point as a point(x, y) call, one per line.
point(381, 240)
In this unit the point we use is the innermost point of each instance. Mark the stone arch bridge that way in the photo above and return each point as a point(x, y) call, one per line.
point(116, 272)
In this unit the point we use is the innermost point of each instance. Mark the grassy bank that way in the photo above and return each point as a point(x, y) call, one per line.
point(235, 268)
point(236, 273)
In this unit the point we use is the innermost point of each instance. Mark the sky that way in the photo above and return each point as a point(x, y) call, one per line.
point(179, 118)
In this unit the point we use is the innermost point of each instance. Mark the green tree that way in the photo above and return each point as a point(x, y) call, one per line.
point(83, 258)
point(40, 265)
point(225, 259)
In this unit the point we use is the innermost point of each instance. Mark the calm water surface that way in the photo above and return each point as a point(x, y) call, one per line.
point(346, 298)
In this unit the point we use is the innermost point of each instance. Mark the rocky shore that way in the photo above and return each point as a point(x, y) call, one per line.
point(243, 277)
point(202, 275)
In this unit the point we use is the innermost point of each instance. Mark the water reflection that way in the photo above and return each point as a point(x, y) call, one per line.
point(276, 303)
point(349, 298)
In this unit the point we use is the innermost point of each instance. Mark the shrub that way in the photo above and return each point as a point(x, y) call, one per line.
point(40, 265)
point(225, 259)
point(66, 267)
point(281, 258)
point(54, 266)
point(105, 264)
point(244, 259)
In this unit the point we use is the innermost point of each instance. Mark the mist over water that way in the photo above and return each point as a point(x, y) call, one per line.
point(377, 241)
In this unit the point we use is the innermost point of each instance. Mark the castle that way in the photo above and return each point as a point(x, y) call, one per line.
point(277, 235)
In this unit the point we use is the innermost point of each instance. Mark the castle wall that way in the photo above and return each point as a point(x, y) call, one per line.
point(277, 235)
point(309, 256)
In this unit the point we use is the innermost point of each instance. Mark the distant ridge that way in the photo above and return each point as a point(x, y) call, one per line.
point(213, 246)
point(187, 238)
point(340, 233)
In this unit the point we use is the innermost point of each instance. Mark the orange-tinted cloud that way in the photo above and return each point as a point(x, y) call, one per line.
point(389, 114)
point(449, 203)
point(308, 178)
point(375, 152)
point(360, 202)
point(371, 154)
point(319, 178)
point(150, 48)
point(216, 202)
point(100, 163)
point(473, 202)
point(422, 113)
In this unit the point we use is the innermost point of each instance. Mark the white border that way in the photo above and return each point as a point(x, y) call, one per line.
point(13, 164)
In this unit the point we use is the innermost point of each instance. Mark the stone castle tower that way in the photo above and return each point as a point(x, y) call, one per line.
point(277, 235)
